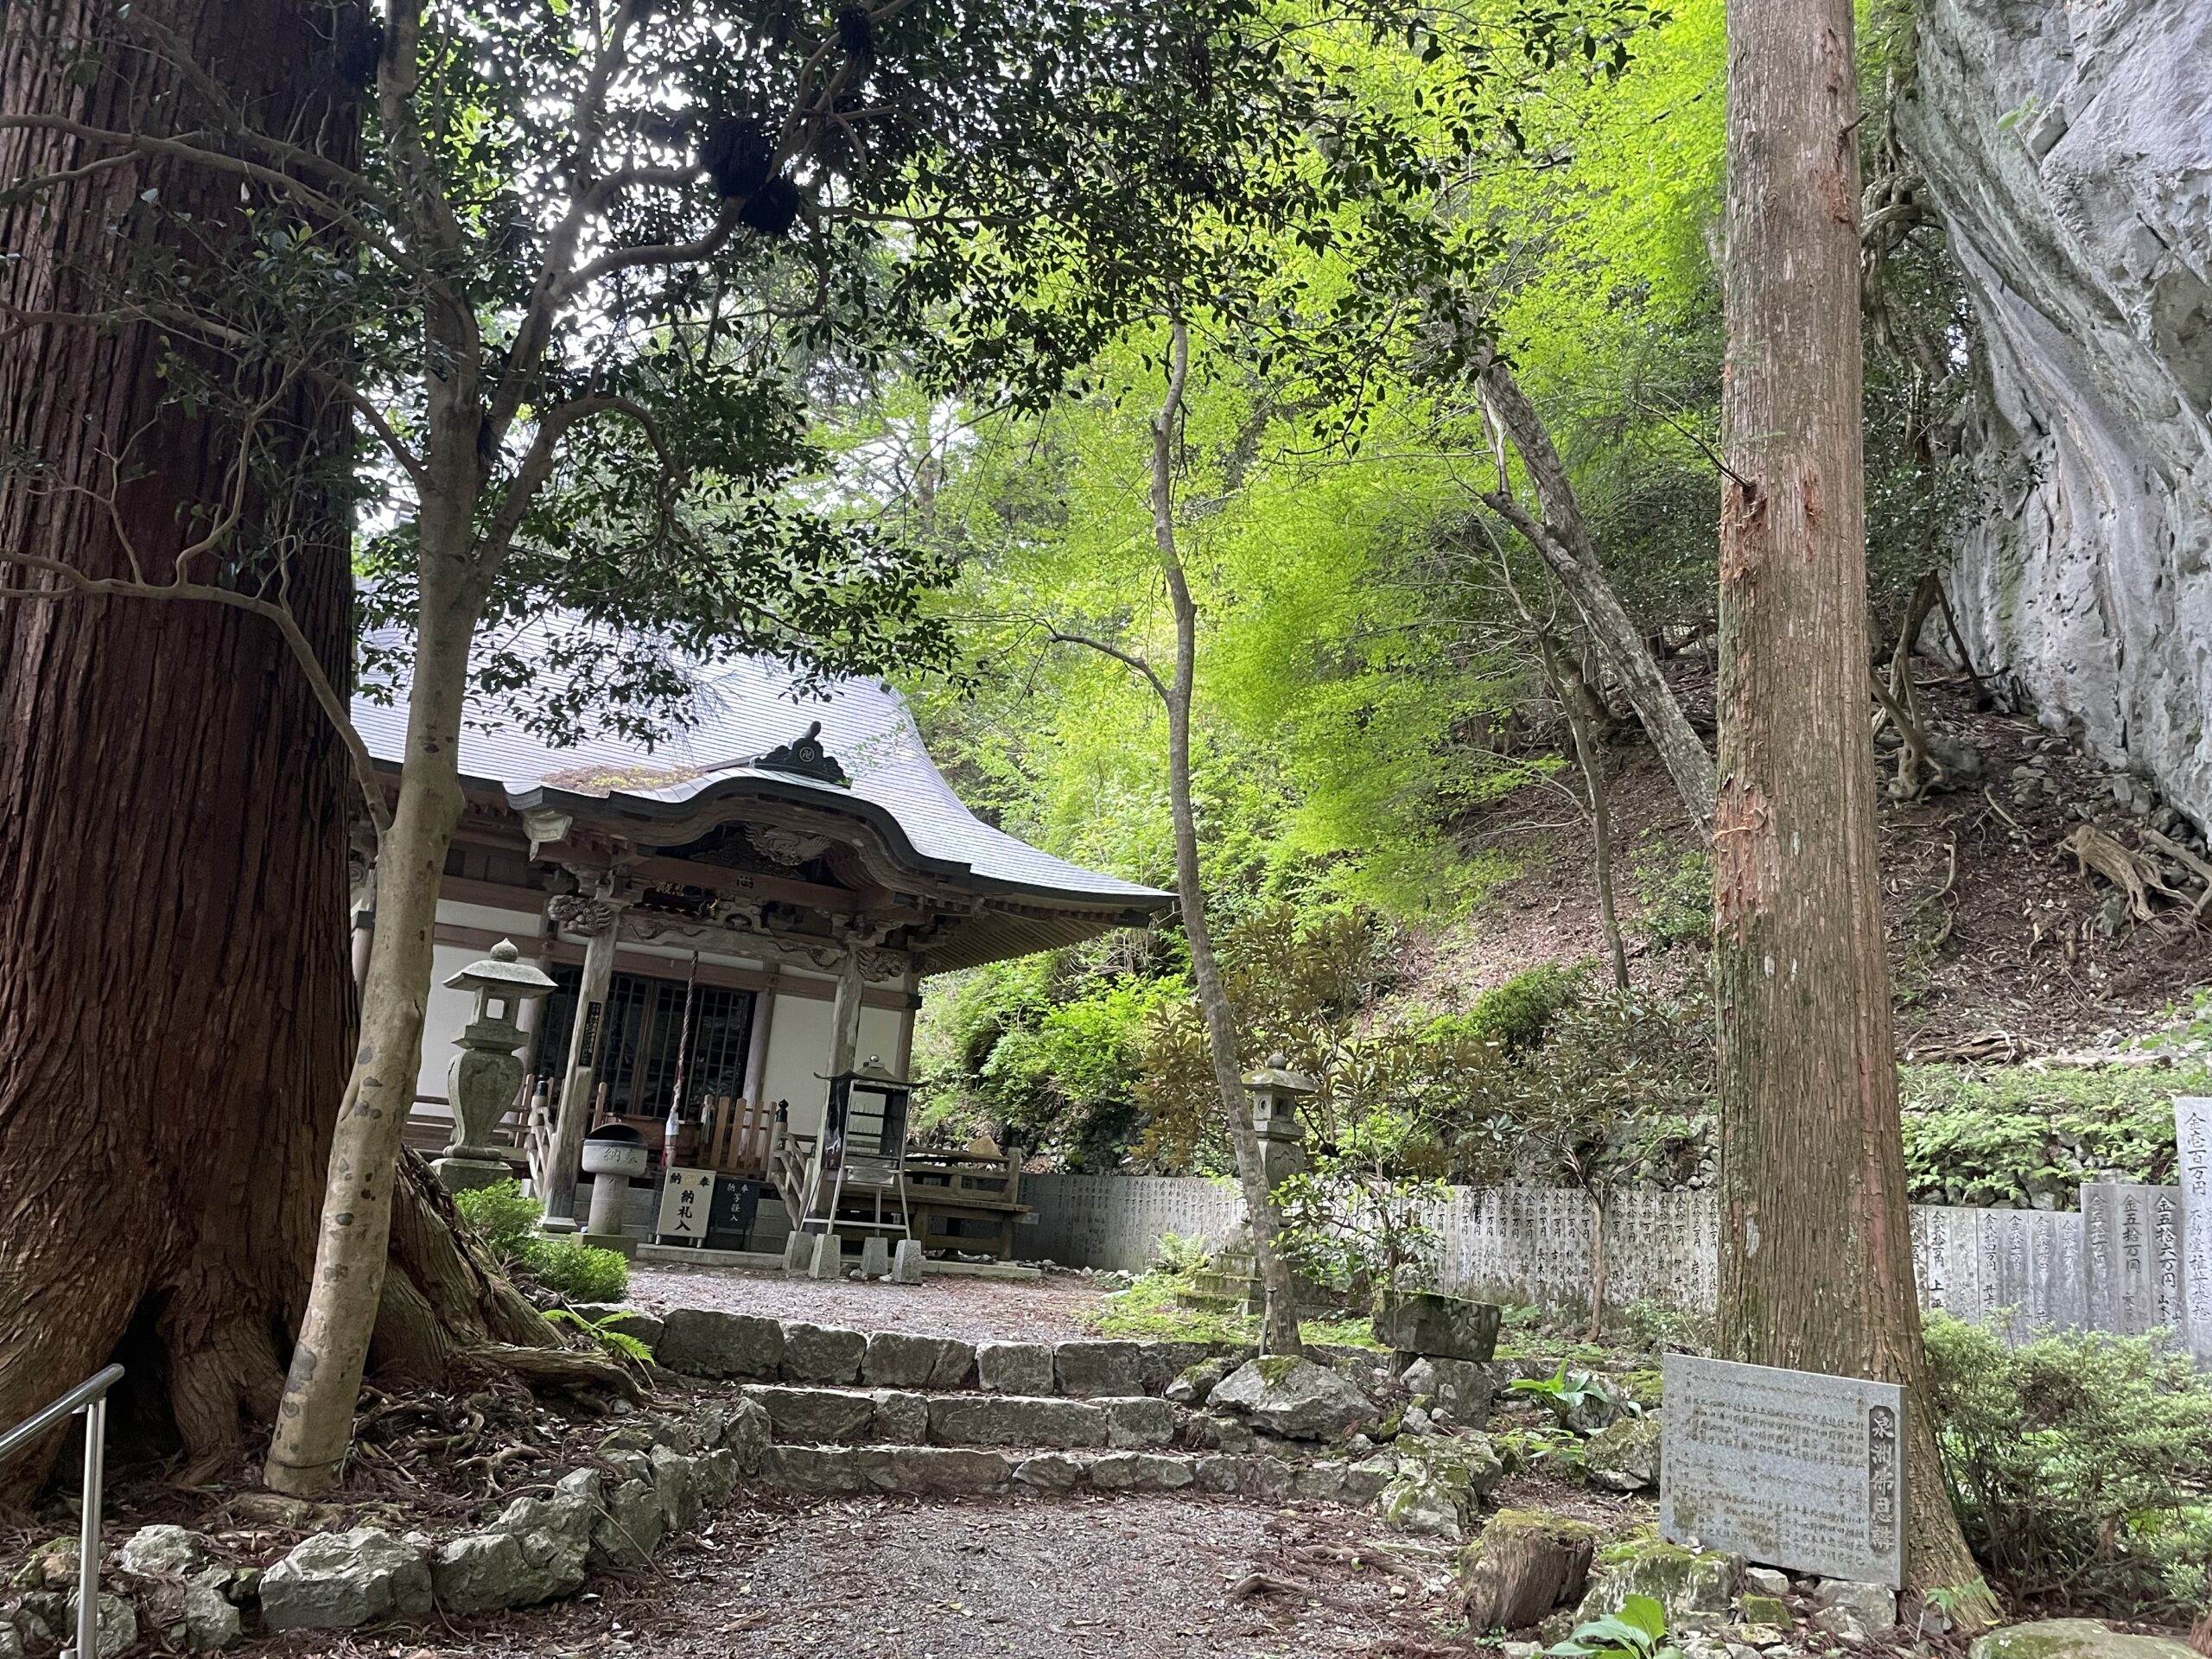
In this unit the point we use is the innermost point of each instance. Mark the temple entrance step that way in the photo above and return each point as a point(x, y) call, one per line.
point(746, 1348)
point(931, 1471)
point(804, 1415)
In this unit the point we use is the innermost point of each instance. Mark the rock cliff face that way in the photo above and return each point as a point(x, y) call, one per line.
point(2068, 146)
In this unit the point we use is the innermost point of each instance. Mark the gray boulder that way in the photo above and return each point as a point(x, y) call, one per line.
point(338, 1581)
point(1016, 1366)
point(747, 1435)
point(1015, 1420)
point(901, 1418)
point(1093, 1370)
point(1623, 1457)
point(1684, 1581)
point(1192, 1386)
point(1139, 1471)
point(1050, 1472)
point(678, 1488)
point(1462, 1386)
point(1852, 1610)
point(895, 1360)
point(1449, 1327)
point(162, 1552)
point(1139, 1421)
point(700, 1342)
point(210, 1620)
point(2074, 1638)
point(819, 1416)
point(943, 1471)
point(632, 1526)
point(1294, 1398)
point(1159, 1363)
point(823, 1353)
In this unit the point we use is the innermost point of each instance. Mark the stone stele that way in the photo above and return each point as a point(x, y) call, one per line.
point(2193, 1135)
point(1792, 1469)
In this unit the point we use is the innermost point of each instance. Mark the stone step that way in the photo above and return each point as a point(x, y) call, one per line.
point(709, 1343)
point(815, 1415)
point(931, 1471)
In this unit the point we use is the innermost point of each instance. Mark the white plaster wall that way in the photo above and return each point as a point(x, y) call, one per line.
point(520, 926)
point(447, 1012)
point(799, 1047)
point(880, 1029)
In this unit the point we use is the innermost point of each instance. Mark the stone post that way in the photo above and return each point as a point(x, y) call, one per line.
point(482, 1081)
point(600, 920)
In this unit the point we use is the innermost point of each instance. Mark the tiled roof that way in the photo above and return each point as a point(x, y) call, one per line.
point(744, 708)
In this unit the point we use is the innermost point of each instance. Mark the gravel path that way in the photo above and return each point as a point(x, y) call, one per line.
point(1130, 1578)
point(973, 1310)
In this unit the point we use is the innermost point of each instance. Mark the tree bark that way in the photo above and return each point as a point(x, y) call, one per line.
point(1816, 1264)
point(314, 1419)
point(173, 992)
point(1279, 1326)
point(1562, 539)
point(1569, 682)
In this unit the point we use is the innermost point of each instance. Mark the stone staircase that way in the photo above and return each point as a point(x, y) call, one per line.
point(849, 1412)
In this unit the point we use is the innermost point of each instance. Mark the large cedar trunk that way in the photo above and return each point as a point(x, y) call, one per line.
point(1816, 1263)
point(175, 998)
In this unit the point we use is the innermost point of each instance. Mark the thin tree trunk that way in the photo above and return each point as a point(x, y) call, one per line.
point(1279, 1328)
point(315, 1419)
point(1592, 766)
point(1562, 539)
point(1816, 1264)
point(1597, 1267)
point(173, 994)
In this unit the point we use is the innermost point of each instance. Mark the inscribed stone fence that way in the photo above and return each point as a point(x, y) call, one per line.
point(2133, 1259)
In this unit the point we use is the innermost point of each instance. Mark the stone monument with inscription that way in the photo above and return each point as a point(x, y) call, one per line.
point(1792, 1469)
point(2193, 1140)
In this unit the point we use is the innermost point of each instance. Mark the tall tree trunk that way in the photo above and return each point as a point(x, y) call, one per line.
point(1279, 1326)
point(1816, 1262)
point(173, 994)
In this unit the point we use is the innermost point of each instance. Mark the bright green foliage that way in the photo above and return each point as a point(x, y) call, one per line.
point(507, 1220)
point(2009, 1136)
point(1515, 1014)
point(576, 1271)
point(620, 1343)
point(1637, 1631)
point(1565, 1393)
point(504, 1216)
point(2078, 1463)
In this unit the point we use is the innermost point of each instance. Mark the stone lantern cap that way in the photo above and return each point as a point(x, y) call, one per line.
point(503, 971)
point(1276, 1076)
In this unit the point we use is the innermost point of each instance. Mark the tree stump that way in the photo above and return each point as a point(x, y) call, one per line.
point(1526, 1563)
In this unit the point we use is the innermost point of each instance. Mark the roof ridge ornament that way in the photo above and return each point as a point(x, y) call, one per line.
point(804, 757)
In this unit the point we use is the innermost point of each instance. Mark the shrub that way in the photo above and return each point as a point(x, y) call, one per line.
point(1174, 1253)
point(576, 1271)
point(502, 1217)
point(1674, 895)
point(1515, 1015)
point(2009, 1134)
point(2080, 1465)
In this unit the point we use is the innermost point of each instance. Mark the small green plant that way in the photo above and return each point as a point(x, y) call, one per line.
point(1674, 895)
point(502, 1216)
point(620, 1343)
point(1174, 1253)
point(576, 1271)
point(1637, 1631)
point(1565, 1393)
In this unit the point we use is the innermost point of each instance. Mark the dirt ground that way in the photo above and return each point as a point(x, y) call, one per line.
point(971, 1310)
point(1994, 940)
point(895, 1579)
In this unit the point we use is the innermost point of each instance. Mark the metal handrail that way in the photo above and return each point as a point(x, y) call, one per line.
point(89, 1397)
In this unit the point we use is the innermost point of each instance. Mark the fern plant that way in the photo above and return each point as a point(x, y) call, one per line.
point(620, 1343)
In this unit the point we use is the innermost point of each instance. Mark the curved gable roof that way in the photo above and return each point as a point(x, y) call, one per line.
point(743, 708)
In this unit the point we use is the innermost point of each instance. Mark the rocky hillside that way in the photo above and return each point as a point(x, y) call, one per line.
point(2004, 944)
point(2069, 157)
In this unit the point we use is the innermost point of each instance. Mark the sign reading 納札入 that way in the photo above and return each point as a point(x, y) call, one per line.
point(686, 1200)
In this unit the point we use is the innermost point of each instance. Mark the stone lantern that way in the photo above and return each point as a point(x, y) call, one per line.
point(484, 1077)
point(1275, 1091)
